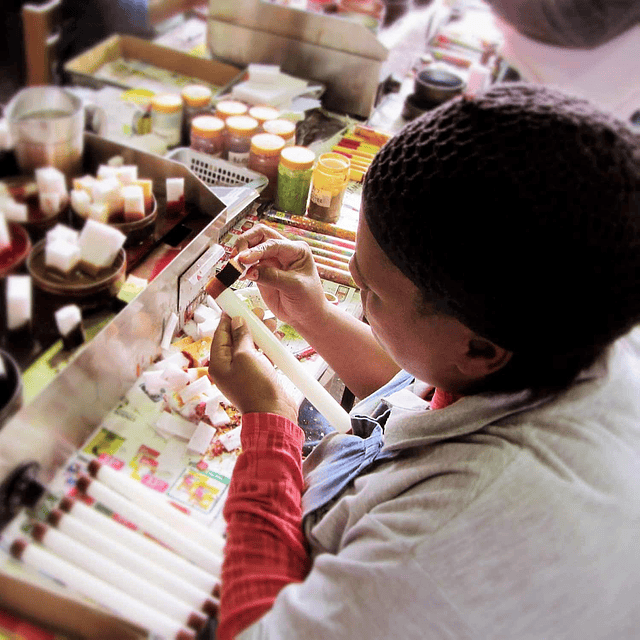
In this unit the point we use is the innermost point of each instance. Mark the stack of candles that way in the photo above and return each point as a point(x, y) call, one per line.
point(331, 246)
point(167, 588)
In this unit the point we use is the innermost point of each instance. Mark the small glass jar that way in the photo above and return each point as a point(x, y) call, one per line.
point(196, 101)
point(264, 158)
point(328, 184)
point(240, 130)
point(294, 179)
point(262, 114)
point(228, 108)
point(166, 117)
point(283, 128)
point(207, 135)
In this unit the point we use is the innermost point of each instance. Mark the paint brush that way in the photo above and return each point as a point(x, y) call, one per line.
point(281, 357)
point(226, 277)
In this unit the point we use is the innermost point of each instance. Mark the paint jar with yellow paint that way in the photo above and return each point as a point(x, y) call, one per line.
point(328, 185)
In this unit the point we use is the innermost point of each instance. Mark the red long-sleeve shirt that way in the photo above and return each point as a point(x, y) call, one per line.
point(265, 548)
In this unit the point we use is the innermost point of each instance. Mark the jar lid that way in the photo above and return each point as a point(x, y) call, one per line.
point(280, 127)
point(297, 157)
point(334, 162)
point(226, 108)
point(207, 126)
point(267, 144)
point(242, 125)
point(197, 95)
point(263, 113)
point(166, 102)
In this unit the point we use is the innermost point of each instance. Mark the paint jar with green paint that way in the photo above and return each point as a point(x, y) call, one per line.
point(294, 179)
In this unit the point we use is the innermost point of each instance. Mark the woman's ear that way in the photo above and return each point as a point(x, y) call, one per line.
point(483, 357)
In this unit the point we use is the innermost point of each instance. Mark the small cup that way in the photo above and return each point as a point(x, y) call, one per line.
point(11, 388)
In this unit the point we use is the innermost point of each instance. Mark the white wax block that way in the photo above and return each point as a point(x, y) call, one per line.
point(177, 359)
point(201, 438)
point(175, 425)
point(207, 328)
point(18, 295)
point(50, 203)
point(169, 330)
point(231, 439)
point(127, 174)
point(153, 381)
point(195, 388)
point(213, 393)
point(191, 329)
point(5, 235)
point(100, 243)
point(61, 255)
point(98, 211)
point(68, 318)
point(62, 232)
point(80, 202)
point(193, 374)
point(115, 161)
point(175, 189)
point(214, 411)
point(15, 211)
point(263, 72)
point(106, 171)
point(203, 312)
point(50, 179)
point(175, 377)
point(84, 183)
point(133, 202)
point(108, 191)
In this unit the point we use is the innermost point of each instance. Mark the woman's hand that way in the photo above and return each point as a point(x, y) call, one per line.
point(245, 375)
point(285, 273)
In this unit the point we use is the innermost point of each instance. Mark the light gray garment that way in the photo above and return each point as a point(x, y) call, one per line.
point(505, 518)
point(569, 23)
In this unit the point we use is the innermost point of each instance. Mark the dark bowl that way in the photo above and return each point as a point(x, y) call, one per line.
point(77, 285)
point(136, 231)
point(11, 391)
point(12, 259)
point(435, 86)
point(412, 109)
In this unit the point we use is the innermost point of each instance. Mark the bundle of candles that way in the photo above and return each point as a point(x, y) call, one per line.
point(165, 583)
point(360, 146)
point(331, 246)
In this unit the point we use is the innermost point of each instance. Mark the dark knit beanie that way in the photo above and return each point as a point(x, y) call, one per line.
point(518, 213)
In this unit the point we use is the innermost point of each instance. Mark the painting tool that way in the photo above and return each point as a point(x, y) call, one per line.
point(281, 357)
point(151, 501)
point(151, 524)
point(127, 607)
point(105, 569)
point(130, 559)
point(136, 541)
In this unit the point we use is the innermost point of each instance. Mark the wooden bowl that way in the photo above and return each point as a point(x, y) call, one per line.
point(13, 258)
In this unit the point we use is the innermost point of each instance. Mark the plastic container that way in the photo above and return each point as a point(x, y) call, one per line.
point(328, 184)
point(228, 108)
point(263, 113)
point(166, 117)
point(294, 179)
point(240, 130)
point(264, 157)
point(217, 173)
point(283, 128)
point(207, 135)
point(196, 101)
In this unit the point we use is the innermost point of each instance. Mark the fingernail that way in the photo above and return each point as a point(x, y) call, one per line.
point(237, 322)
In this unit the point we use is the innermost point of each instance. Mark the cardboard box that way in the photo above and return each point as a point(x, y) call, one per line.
point(86, 68)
